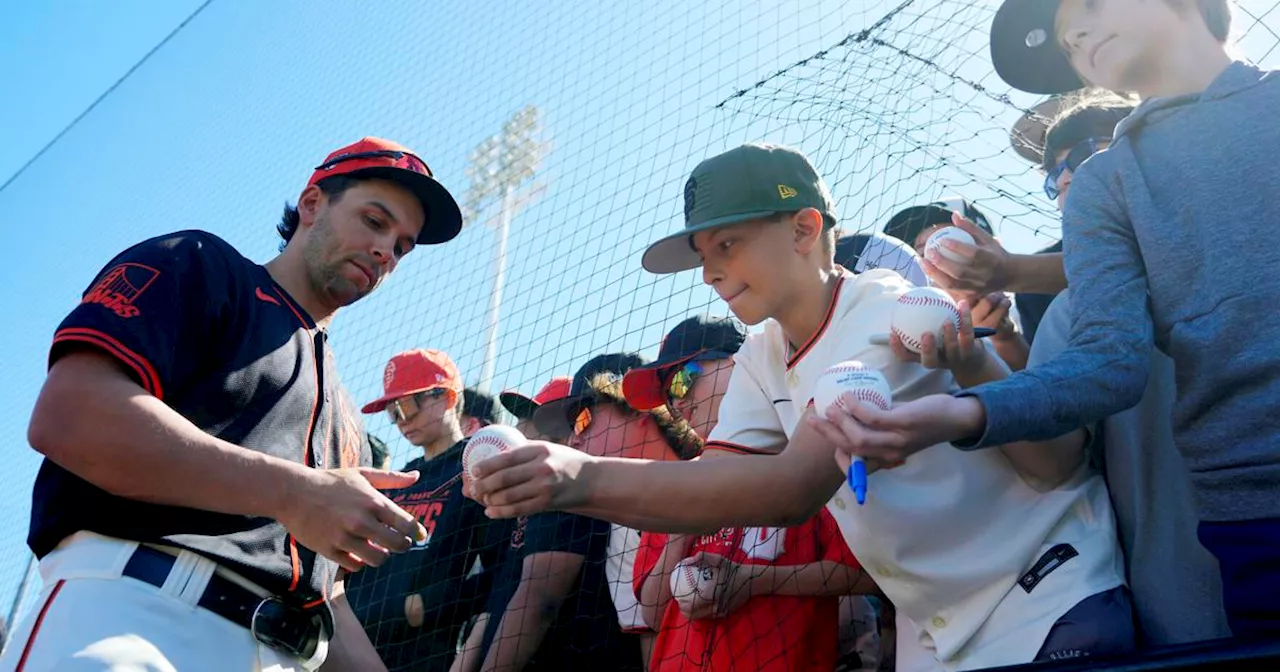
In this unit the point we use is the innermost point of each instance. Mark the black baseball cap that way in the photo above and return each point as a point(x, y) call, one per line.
point(553, 418)
point(1025, 49)
point(480, 406)
point(1028, 133)
point(907, 224)
point(749, 182)
point(698, 338)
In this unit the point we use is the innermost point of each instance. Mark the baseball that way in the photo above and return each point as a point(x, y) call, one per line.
point(948, 233)
point(489, 442)
point(692, 582)
point(865, 383)
point(923, 310)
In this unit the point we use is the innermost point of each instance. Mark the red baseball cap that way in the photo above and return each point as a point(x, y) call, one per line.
point(523, 407)
point(384, 159)
point(412, 372)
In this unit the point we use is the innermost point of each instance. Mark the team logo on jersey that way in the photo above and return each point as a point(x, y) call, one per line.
point(120, 287)
point(517, 532)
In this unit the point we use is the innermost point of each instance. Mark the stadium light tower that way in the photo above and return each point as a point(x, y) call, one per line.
point(498, 168)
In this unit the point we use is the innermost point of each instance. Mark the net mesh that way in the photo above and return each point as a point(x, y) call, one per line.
point(567, 130)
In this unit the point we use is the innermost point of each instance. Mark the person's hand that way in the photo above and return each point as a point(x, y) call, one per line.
point(992, 311)
point(533, 478)
point(732, 588)
point(978, 269)
point(414, 610)
point(340, 514)
point(959, 352)
point(886, 438)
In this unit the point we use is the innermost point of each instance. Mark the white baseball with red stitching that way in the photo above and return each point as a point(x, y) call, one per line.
point(922, 310)
point(863, 382)
point(692, 582)
point(488, 442)
point(948, 233)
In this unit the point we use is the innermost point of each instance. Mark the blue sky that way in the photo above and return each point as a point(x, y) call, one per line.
point(225, 122)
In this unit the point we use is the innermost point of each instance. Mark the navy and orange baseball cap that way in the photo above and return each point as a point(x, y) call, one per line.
point(524, 407)
point(699, 338)
point(415, 371)
point(383, 159)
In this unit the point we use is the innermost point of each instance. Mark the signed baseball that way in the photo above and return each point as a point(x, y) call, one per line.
point(948, 233)
point(693, 582)
point(923, 310)
point(488, 442)
point(865, 383)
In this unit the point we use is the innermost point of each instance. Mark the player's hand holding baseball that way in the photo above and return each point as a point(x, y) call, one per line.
point(976, 269)
point(340, 514)
point(890, 437)
point(533, 478)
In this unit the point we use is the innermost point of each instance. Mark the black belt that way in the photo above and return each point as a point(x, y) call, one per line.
point(292, 629)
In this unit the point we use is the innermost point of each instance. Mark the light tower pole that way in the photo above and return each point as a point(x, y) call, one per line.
point(499, 167)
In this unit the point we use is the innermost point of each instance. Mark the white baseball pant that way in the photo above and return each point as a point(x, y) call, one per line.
point(90, 618)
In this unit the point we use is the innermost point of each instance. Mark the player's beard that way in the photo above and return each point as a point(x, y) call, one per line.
point(324, 263)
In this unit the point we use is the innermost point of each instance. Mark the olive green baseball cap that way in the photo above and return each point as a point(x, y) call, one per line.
point(749, 182)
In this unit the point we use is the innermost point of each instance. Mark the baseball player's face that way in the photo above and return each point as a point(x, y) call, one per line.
point(427, 416)
point(1117, 44)
point(741, 263)
point(358, 238)
point(701, 405)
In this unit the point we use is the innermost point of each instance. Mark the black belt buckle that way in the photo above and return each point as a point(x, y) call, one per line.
point(302, 633)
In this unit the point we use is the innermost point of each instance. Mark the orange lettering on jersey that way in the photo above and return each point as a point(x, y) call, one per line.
point(426, 513)
point(120, 287)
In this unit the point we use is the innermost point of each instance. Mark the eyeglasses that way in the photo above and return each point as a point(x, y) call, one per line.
point(683, 379)
point(411, 161)
point(1081, 151)
point(404, 408)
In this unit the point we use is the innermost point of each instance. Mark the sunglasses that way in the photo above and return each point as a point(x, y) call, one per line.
point(404, 408)
point(682, 380)
point(406, 160)
point(1081, 151)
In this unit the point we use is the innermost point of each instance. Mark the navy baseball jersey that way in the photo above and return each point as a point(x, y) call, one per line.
point(436, 568)
point(585, 634)
point(210, 334)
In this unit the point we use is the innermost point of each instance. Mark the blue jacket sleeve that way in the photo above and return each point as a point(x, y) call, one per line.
point(1104, 368)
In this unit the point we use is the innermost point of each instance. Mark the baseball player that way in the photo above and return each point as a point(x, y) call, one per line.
point(778, 589)
point(195, 509)
point(523, 407)
point(414, 606)
point(995, 557)
point(1138, 213)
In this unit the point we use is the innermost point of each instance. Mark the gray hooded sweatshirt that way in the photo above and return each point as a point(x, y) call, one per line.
point(1166, 238)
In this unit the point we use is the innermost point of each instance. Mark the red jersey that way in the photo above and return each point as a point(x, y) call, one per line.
point(770, 633)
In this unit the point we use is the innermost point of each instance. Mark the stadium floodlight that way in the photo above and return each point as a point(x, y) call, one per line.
point(498, 168)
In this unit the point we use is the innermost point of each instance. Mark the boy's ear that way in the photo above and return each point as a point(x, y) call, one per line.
point(807, 228)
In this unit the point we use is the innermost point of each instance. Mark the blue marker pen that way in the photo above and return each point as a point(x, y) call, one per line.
point(858, 479)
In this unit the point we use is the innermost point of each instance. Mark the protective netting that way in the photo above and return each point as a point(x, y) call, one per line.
point(568, 130)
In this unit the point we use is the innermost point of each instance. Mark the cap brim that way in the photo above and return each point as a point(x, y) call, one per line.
point(442, 216)
point(674, 253)
point(1042, 68)
point(380, 404)
point(518, 405)
point(552, 418)
point(642, 386)
point(1028, 133)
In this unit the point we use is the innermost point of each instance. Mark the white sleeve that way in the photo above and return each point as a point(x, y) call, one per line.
point(890, 253)
point(748, 422)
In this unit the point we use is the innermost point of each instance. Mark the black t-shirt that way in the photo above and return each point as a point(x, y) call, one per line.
point(209, 333)
point(458, 532)
point(585, 634)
